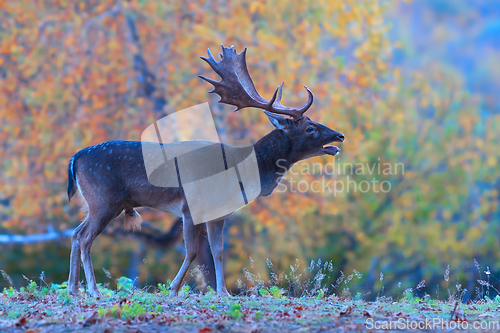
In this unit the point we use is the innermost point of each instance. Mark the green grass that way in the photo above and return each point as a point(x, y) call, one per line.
point(312, 298)
point(50, 308)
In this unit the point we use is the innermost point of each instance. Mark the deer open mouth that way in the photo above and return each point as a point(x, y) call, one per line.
point(331, 150)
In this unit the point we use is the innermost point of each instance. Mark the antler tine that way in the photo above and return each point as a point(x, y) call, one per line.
point(278, 108)
point(237, 88)
point(209, 80)
point(309, 102)
point(276, 95)
point(212, 62)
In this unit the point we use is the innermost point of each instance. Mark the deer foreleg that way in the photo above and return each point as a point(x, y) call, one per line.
point(215, 236)
point(191, 235)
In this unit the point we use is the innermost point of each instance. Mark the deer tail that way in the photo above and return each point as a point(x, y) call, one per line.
point(71, 178)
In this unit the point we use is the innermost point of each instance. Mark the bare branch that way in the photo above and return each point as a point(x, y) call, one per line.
point(150, 235)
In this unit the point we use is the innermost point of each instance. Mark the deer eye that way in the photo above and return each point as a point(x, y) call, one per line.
point(309, 129)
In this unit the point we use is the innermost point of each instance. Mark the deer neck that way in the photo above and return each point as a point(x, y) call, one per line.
point(275, 156)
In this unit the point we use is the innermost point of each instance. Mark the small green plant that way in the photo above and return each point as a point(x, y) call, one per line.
point(258, 315)
point(235, 311)
point(210, 292)
point(9, 292)
point(263, 292)
point(156, 310)
point(125, 284)
point(33, 290)
point(409, 296)
point(32, 287)
point(101, 312)
point(126, 311)
point(113, 312)
point(276, 292)
point(129, 312)
point(321, 294)
point(58, 288)
point(185, 291)
point(432, 302)
point(164, 288)
point(64, 297)
point(105, 291)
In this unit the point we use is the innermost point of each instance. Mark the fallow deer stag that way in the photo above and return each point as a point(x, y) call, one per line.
point(110, 183)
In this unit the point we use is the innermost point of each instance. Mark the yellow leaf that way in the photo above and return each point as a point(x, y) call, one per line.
point(479, 143)
point(363, 81)
point(68, 80)
point(114, 45)
point(397, 73)
point(381, 66)
point(424, 102)
point(69, 41)
point(254, 7)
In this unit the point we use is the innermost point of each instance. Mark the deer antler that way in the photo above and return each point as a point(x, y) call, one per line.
point(237, 88)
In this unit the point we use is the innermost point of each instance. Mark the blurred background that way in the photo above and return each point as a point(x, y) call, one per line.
point(407, 82)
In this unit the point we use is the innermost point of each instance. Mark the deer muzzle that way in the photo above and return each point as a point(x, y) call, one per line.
point(334, 150)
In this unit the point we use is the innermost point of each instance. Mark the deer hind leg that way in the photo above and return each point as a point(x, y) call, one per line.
point(215, 236)
point(91, 228)
point(74, 262)
point(191, 240)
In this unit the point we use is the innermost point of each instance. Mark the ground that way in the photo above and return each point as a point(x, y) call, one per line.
point(50, 308)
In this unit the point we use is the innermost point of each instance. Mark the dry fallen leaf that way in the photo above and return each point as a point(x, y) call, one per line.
point(91, 319)
point(205, 330)
point(21, 322)
point(347, 311)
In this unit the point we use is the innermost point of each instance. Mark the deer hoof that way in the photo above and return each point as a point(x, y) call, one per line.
point(173, 293)
point(74, 292)
point(95, 293)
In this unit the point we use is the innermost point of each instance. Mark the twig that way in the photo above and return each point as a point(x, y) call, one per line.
point(454, 309)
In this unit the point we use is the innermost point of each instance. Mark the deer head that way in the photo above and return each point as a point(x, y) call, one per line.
point(308, 138)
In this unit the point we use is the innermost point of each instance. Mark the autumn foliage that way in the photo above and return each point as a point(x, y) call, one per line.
point(74, 74)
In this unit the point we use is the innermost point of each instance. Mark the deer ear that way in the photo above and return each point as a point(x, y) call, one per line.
point(279, 121)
